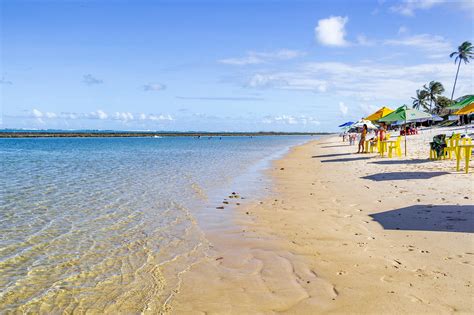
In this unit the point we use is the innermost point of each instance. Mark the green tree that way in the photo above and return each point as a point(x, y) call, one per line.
point(433, 89)
point(419, 102)
point(464, 53)
point(441, 103)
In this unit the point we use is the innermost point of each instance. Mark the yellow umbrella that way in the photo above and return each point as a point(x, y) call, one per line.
point(466, 110)
point(382, 112)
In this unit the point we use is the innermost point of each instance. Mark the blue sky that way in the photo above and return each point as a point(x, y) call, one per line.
point(223, 65)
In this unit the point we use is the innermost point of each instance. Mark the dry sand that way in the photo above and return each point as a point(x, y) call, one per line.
point(344, 233)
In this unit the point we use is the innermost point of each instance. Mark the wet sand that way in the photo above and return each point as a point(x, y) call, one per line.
point(344, 233)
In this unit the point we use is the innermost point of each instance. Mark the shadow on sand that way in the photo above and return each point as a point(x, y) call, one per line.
point(339, 146)
point(346, 160)
point(330, 155)
point(393, 162)
point(403, 175)
point(439, 218)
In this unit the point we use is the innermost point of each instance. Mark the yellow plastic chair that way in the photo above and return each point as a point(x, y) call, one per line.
point(367, 144)
point(451, 145)
point(383, 146)
point(395, 146)
point(375, 145)
point(434, 155)
point(465, 141)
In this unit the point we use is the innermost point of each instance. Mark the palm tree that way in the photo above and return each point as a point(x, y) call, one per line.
point(464, 53)
point(433, 89)
point(420, 100)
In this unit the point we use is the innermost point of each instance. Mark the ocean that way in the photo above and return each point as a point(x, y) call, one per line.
point(110, 224)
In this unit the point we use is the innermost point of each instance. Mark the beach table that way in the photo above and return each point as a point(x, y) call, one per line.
point(467, 155)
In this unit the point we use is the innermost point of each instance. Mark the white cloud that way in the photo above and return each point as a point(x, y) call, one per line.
point(290, 120)
point(265, 80)
point(408, 7)
point(154, 87)
point(287, 81)
point(368, 109)
point(160, 117)
point(364, 41)
point(402, 30)
point(50, 115)
point(253, 57)
point(366, 82)
point(343, 108)
point(123, 116)
point(101, 115)
point(434, 44)
point(331, 31)
point(36, 113)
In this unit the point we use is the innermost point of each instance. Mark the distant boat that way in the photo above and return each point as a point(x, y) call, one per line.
point(157, 137)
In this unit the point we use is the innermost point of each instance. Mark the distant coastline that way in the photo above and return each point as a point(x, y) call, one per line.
point(127, 134)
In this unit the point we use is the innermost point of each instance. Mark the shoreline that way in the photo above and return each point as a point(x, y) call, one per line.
point(318, 243)
point(144, 134)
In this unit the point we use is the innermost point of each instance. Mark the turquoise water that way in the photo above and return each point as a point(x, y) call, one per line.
point(110, 224)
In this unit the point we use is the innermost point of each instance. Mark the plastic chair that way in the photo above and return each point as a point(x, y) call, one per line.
point(366, 146)
point(395, 146)
point(375, 145)
point(383, 146)
point(452, 143)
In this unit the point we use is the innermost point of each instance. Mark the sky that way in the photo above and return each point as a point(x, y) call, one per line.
point(223, 65)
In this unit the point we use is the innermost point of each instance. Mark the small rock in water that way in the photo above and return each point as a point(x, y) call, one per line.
point(225, 202)
point(219, 258)
point(220, 207)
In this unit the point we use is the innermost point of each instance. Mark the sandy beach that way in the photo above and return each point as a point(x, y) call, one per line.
point(344, 233)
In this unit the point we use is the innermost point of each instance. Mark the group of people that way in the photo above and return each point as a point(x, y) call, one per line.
point(380, 134)
point(409, 130)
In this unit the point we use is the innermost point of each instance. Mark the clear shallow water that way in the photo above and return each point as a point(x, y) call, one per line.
point(109, 224)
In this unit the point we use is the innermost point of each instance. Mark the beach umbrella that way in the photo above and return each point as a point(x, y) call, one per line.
point(405, 114)
point(382, 112)
point(469, 109)
point(346, 124)
point(362, 122)
point(457, 106)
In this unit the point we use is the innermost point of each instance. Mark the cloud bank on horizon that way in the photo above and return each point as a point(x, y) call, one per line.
point(238, 71)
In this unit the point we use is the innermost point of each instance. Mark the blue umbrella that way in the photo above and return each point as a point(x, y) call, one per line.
point(346, 124)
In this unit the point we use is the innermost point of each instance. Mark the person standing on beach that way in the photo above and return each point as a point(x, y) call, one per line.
point(363, 134)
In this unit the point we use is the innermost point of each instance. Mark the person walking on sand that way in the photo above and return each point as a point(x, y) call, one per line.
point(363, 134)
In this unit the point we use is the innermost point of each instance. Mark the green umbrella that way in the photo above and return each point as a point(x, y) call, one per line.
point(405, 114)
point(463, 103)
